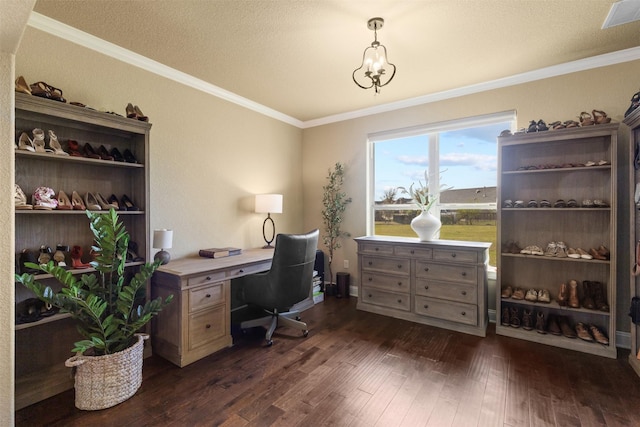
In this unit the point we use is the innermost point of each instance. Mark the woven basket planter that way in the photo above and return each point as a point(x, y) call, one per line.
point(104, 381)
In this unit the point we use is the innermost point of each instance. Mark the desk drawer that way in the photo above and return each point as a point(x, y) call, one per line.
point(389, 265)
point(447, 272)
point(376, 248)
point(452, 255)
point(207, 326)
point(408, 251)
point(448, 291)
point(386, 299)
point(207, 296)
point(385, 282)
point(447, 310)
point(206, 278)
point(250, 269)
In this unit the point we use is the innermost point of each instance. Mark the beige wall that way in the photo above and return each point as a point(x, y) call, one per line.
point(559, 98)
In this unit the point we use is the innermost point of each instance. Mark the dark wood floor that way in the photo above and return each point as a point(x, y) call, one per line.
point(361, 369)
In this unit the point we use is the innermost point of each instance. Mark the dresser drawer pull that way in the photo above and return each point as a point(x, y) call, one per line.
point(426, 286)
point(464, 274)
point(208, 278)
point(377, 249)
point(371, 279)
point(412, 252)
point(399, 283)
point(426, 306)
point(241, 271)
point(370, 295)
point(208, 326)
point(370, 262)
point(464, 313)
point(399, 265)
point(208, 295)
point(464, 292)
point(426, 269)
point(399, 301)
point(453, 255)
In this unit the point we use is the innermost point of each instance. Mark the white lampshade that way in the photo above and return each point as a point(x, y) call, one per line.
point(268, 203)
point(162, 238)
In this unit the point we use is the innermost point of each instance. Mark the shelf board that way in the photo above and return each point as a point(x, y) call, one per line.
point(575, 344)
point(557, 209)
point(43, 321)
point(83, 270)
point(555, 258)
point(552, 170)
point(92, 162)
point(554, 306)
point(68, 212)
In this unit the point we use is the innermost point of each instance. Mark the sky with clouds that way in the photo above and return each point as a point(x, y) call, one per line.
point(468, 159)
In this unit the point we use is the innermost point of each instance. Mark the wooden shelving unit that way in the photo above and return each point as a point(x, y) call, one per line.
point(44, 345)
point(556, 165)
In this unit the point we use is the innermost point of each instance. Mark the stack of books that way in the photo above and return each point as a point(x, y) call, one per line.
point(219, 252)
point(318, 294)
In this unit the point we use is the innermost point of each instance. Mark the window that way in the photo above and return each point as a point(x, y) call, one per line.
point(461, 159)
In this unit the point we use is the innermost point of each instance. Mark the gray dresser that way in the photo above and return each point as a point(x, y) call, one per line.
point(441, 283)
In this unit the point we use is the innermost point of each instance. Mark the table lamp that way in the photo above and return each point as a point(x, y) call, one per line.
point(162, 239)
point(268, 203)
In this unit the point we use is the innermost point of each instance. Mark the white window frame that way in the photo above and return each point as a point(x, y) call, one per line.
point(432, 130)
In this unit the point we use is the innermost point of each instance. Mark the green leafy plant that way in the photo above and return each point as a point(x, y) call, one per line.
point(107, 303)
point(334, 202)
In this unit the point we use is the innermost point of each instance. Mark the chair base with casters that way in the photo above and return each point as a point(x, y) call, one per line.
point(275, 319)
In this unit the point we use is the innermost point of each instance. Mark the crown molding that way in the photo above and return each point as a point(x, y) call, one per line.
point(73, 35)
point(66, 32)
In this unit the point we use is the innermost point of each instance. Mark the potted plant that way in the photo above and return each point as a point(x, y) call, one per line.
point(426, 225)
point(107, 305)
point(334, 202)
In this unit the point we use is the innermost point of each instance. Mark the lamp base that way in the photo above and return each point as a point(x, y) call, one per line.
point(163, 256)
point(269, 246)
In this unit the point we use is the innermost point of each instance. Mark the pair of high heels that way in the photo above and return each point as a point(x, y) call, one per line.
point(38, 145)
point(133, 112)
point(45, 90)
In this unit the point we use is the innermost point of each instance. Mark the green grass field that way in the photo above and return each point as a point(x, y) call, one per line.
point(485, 232)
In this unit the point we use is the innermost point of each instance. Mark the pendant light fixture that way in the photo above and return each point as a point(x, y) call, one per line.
point(375, 70)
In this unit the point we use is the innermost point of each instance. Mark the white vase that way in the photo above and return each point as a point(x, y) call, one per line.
point(426, 226)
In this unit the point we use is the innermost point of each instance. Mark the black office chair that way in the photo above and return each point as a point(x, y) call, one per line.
point(287, 283)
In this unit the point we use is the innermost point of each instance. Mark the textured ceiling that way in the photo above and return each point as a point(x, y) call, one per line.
point(297, 56)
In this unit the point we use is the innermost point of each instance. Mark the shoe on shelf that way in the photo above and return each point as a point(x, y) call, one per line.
point(532, 295)
point(602, 250)
point(22, 86)
point(44, 198)
point(600, 117)
point(586, 119)
point(504, 320)
point(518, 294)
point(543, 296)
point(117, 156)
point(129, 157)
point(596, 255)
point(38, 141)
point(90, 152)
point(54, 144)
point(563, 295)
point(540, 323)
point(527, 319)
point(571, 253)
point(74, 148)
point(104, 154)
point(561, 250)
point(104, 203)
point(598, 291)
point(553, 326)
point(139, 114)
point(131, 113)
point(26, 143)
point(507, 291)
point(128, 204)
point(583, 254)
point(76, 258)
point(64, 203)
point(574, 302)
point(45, 255)
point(598, 335)
point(113, 200)
point(27, 256)
point(514, 319)
point(91, 202)
point(76, 202)
point(583, 333)
point(59, 256)
point(565, 328)
point(20, 199)
point(587, 299)
point(551, 249)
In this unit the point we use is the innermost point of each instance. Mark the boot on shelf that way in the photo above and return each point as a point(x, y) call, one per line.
point(76, 258)
point(587, 300)
point(599, 297)
point(563, 295)
point(574, 302)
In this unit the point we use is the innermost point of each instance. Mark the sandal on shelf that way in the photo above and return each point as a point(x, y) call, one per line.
point(635, 103)
point(25, 143)
point(20, 199)
point(38, 141)
point(22, 86)
point(55, 144)
point(541, 126)
point(600, 117)
point(572, 203)
point(40, 89)
point(532, 204)
point(507, 203)
point(559, 204)
point(571, 124)
point(533, 127)
point(44, 198)
point(545, 203)
point(518, 204)
point(600, 203)
point(74, 148)
point(551, 249)
point(64, 203)
point(505, 132)
point(586, 119)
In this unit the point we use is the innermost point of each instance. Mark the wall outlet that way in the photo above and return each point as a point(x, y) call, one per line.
point(346, 263)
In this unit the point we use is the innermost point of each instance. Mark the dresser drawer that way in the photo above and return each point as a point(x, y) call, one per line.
point(452, 255)
point(206, 296)
point(412, 252)
point(207, 326)
point(256, 268)
point(389, 265)
point(373, 248)
point(205, 279)
point(448, 291)
point(447, 272)
point(385, 282)
point(386, 299)
point(446, 310)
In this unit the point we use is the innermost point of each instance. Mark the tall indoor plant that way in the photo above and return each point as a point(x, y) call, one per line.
point(334, 202)
point(108, 306)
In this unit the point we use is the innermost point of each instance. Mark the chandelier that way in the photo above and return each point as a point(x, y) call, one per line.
point(375, 68)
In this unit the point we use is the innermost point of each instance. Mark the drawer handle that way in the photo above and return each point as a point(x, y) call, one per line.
point(453, 255)
point(464, 273)
point(426, 286)
point(370, 295)
point(464, 292)
point(240, 271)
point(464, 313)
point(377, 249)
point(399, 301)
point(399, 283)
point(208, 278)
point(371, 279)
point(426, 306)
point(208, 295)
point(208, 326)
point(399, 265)
point(370, 262)
point(412, 252)
point(426, 269)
